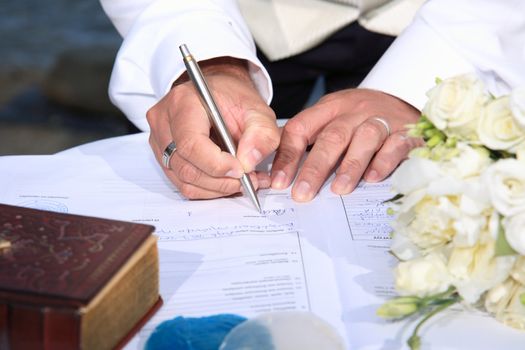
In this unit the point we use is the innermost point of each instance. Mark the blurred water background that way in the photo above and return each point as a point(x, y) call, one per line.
point(55, 61)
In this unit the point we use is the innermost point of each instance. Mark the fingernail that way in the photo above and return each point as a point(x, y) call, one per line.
point(303, 191)
point(235, 173)
point(341, 184)
point(251, 159)
point(372, 176)
point(279, 180)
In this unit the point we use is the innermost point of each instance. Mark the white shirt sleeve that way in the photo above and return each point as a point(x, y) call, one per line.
point(149, 60)
point(449, 37)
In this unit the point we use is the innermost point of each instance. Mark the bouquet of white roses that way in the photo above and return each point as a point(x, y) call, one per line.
point(459, 227)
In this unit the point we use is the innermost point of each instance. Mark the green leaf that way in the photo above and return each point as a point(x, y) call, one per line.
point(522, 299)
point(395, 198)
point(438, 80)
point(497, 155)
point(503, 247)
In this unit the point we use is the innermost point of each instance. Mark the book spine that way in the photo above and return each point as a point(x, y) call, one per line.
point(25, 327)
point(61, 329)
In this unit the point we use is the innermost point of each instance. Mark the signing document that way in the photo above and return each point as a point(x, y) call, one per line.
point(329, 256)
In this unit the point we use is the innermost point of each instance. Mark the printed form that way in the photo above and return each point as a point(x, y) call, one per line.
point(330, 256)
point(217, 256)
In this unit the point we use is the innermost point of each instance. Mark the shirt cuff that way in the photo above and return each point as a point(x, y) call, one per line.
point(409, 68)
point(167, 64)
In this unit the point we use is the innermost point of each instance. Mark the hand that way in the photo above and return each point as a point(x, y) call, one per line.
point(342, 128)
point(199, 168)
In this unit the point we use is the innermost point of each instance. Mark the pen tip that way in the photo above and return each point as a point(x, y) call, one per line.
point(184, 50)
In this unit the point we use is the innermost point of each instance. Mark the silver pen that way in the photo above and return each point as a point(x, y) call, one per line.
point(198, 80)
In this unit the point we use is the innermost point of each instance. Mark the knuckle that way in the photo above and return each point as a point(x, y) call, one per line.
point(368, 130)
point(272, 140)
point(151, 115)
point(334, 136)
point(151, 140)
point(331, 98)
point(186, 148)
point(287, 155)
point(295, 127)
point(269, 135)
point(216, 169)
point(411, 142)
point(351, 163)
point(226, 188)
point(403, 144)
point(313, 171)
point(363, 104)
point(387, 163)
point(188, 174)
point(189, 191)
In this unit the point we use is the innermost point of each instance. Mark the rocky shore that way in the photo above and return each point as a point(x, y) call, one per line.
point(57, 57)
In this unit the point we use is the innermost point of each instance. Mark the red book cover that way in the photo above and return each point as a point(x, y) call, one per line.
point(55, 260)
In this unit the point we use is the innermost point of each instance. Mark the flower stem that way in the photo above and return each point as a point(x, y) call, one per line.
point(414, 342)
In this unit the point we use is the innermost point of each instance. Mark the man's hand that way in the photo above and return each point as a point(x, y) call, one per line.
point(344, 130)
point(199, 168)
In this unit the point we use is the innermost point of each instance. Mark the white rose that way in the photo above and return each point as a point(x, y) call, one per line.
point(517, 105)
point(520, 154)
point(468, 229)
point(505, 182)
point(475, 217)
point(497, 128)
point(432, 223)
point(403, 248)
point(515, 231)
point(423, 276)
point(469, 162)
point(413, 174)
point(498, 296)
point(455, 104)
point(504, 301)
point(475, 270)
point(518, 270)
point(514, 314)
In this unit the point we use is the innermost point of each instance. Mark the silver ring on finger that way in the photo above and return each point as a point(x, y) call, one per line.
point(384, 123)
point(168, 152)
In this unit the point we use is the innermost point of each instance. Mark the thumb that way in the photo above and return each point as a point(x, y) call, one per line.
point(259, 138)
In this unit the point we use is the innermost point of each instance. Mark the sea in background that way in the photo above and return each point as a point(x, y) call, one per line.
point(55, 61)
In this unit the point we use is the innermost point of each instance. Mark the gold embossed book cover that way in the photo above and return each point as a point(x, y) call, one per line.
point(73, 282)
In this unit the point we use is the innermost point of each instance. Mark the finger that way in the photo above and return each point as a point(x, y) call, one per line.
point(367, 140)
point(330, 144)
point(191, 132)
point(263, 178)
point(208, 157)
point(259, 139)
point(192, 191)
point(298, 133)
point(195, 184)
point(394, 151)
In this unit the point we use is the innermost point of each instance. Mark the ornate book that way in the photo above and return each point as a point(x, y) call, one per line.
point(73, 282)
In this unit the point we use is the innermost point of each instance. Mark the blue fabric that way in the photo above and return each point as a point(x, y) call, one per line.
point(199, 333)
